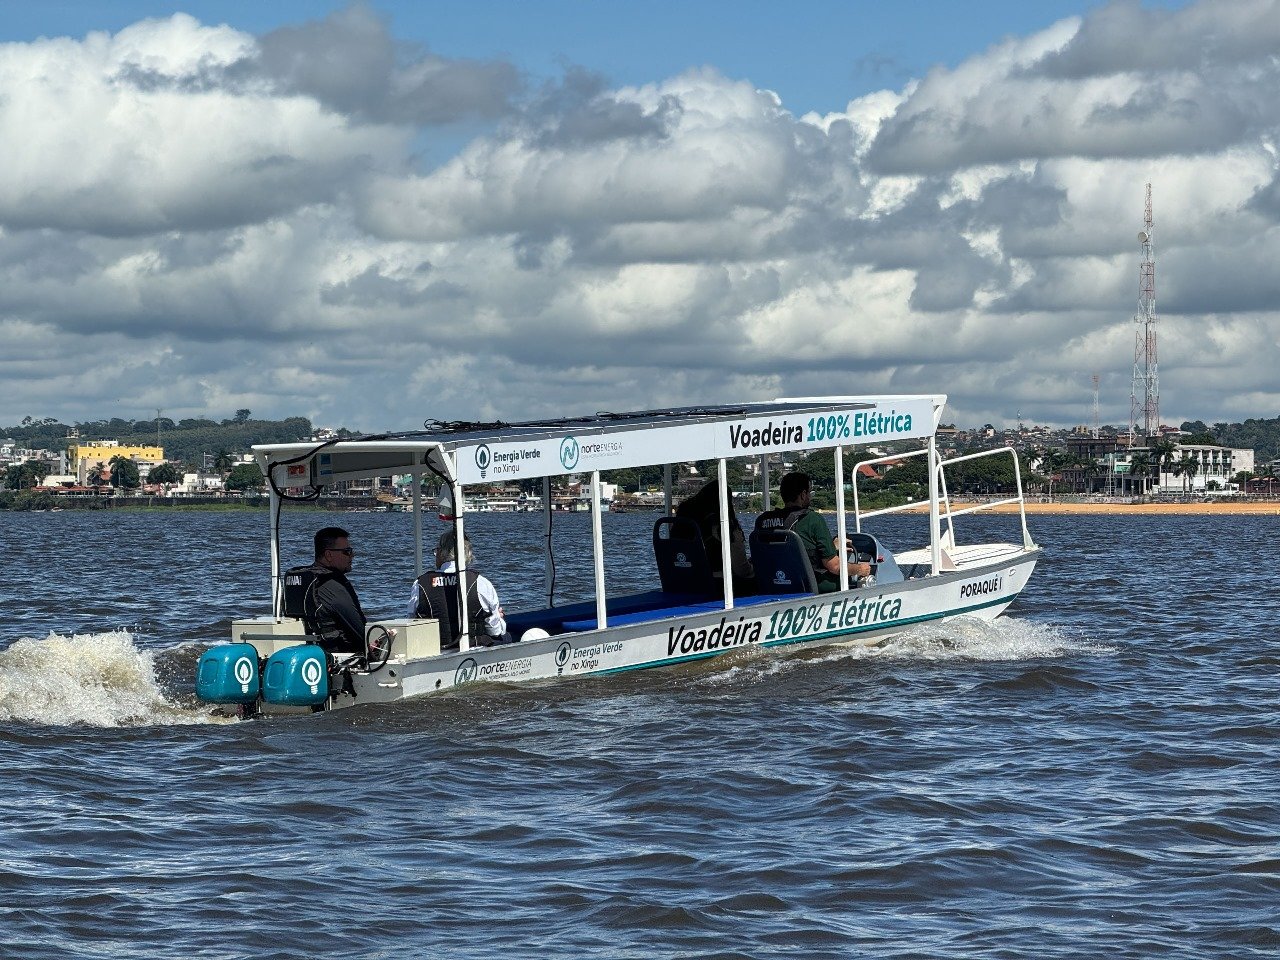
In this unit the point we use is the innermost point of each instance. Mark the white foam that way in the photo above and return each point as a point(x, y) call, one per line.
point(964, 638)
point(95, 679)
point(968, 638)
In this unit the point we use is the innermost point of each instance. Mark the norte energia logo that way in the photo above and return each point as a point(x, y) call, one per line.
point(483, 458)
point(569, 453)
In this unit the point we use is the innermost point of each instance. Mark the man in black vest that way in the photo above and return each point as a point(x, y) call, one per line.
point(435, 596)
point(812, 531)
point(331, 604)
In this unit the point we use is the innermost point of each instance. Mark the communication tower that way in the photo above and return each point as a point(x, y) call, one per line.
point(1096, 380)
point(1145, 412)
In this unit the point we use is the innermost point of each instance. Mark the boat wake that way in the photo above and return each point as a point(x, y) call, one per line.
point(965, 638)
point(968, 638)
point(94, 679)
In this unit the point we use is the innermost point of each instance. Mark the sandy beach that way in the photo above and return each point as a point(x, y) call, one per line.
point(1221, 508)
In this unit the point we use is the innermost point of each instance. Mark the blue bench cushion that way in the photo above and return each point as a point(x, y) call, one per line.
point(553, 619)
point(666, 613)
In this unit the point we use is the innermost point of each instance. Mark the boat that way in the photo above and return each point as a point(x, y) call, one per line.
point(272, 667)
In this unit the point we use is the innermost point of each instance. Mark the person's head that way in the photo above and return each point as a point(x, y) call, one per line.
point(333, 548)
point(447, 547)
point(704, 506)
point(794, 488)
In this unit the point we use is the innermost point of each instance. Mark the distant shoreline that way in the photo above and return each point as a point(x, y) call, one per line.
point(1216, 508)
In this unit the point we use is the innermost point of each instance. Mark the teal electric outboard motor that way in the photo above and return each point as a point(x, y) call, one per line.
point(297, 677)
point(228, 674)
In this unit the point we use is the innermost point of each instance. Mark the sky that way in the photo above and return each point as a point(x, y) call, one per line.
point(380, 213)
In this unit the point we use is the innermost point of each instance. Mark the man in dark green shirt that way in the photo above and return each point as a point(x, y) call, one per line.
point(813, 532)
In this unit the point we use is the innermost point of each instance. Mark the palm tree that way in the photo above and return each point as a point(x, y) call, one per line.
point(1051, 461)
point(1190, 467)
point(1140, 467)
point(1162, 457)
point(1090, 468)
point(222, 461)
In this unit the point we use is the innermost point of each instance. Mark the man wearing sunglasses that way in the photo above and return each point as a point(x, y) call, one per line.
point(331, 601)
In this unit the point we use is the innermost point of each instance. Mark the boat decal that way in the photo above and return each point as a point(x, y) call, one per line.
point(988, 585)
point(824, 634)
point(720, 637)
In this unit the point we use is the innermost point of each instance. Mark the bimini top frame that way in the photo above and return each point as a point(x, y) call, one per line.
point(459, 454)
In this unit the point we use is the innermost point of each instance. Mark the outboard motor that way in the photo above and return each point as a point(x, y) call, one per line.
point(228, 674)
point(297, 677)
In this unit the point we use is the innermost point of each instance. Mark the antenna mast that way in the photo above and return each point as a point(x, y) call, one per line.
point(1096, 417)
point(1144, 348)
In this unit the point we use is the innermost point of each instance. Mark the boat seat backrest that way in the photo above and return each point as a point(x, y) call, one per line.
point(883, 565)
point(781, 562)
point(681, 557)
point(296, 599)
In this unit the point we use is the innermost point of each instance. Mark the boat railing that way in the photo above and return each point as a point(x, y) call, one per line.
point(947, 513)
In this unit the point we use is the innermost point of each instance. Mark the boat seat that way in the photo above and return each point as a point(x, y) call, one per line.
point(682, 561)
point(781, 562)
point(883, 567)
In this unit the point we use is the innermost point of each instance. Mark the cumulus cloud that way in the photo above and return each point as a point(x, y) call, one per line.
point(350, 63)
point(195, 218)
point(135, 133)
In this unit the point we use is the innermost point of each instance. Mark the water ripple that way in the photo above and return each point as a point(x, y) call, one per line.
point(1093, 775)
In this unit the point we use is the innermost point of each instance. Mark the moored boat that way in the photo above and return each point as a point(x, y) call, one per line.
point(273, 665)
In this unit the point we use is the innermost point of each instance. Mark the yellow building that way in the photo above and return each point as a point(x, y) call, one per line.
point(84, 457)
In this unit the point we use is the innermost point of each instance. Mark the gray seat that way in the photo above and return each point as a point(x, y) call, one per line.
point(781, 562)
point(883, 567)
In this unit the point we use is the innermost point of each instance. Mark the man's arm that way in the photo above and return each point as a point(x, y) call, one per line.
point(496, 625)
point(855, 569)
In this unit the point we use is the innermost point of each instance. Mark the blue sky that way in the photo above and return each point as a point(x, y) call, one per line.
point(816, 55)
point(375, 214)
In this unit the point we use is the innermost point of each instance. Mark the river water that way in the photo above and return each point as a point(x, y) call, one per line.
point(1095, 774)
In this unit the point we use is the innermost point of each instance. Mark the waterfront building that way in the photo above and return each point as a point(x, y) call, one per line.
point(85, 455)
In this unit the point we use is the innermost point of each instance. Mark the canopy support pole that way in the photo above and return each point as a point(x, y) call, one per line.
point(841, 528)
point(548, 561)
point(726, 561)
point(273, 517)
point(935, 526)
point(460, 565)
point(417, 521)
point(597, 550)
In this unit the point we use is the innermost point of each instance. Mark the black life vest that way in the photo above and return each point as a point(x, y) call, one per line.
point(781, 519)
point(438, 599)
point(301, 600)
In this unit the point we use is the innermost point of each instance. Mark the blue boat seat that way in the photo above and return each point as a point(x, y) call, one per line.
point(681, 557)
point(665, 613)
point(781, 562)
point(553, 619)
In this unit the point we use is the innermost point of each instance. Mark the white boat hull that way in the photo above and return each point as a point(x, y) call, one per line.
point(981, 588)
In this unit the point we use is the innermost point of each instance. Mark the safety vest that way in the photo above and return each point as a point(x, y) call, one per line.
point(438, 599)
point(302, 600)
point(782, 519)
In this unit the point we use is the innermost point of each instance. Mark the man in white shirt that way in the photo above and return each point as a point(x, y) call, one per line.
point(435, 595)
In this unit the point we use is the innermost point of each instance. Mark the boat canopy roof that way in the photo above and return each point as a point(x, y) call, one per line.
point(471, 453)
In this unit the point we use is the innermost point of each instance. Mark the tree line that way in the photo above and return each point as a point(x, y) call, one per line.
point(185, 441)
